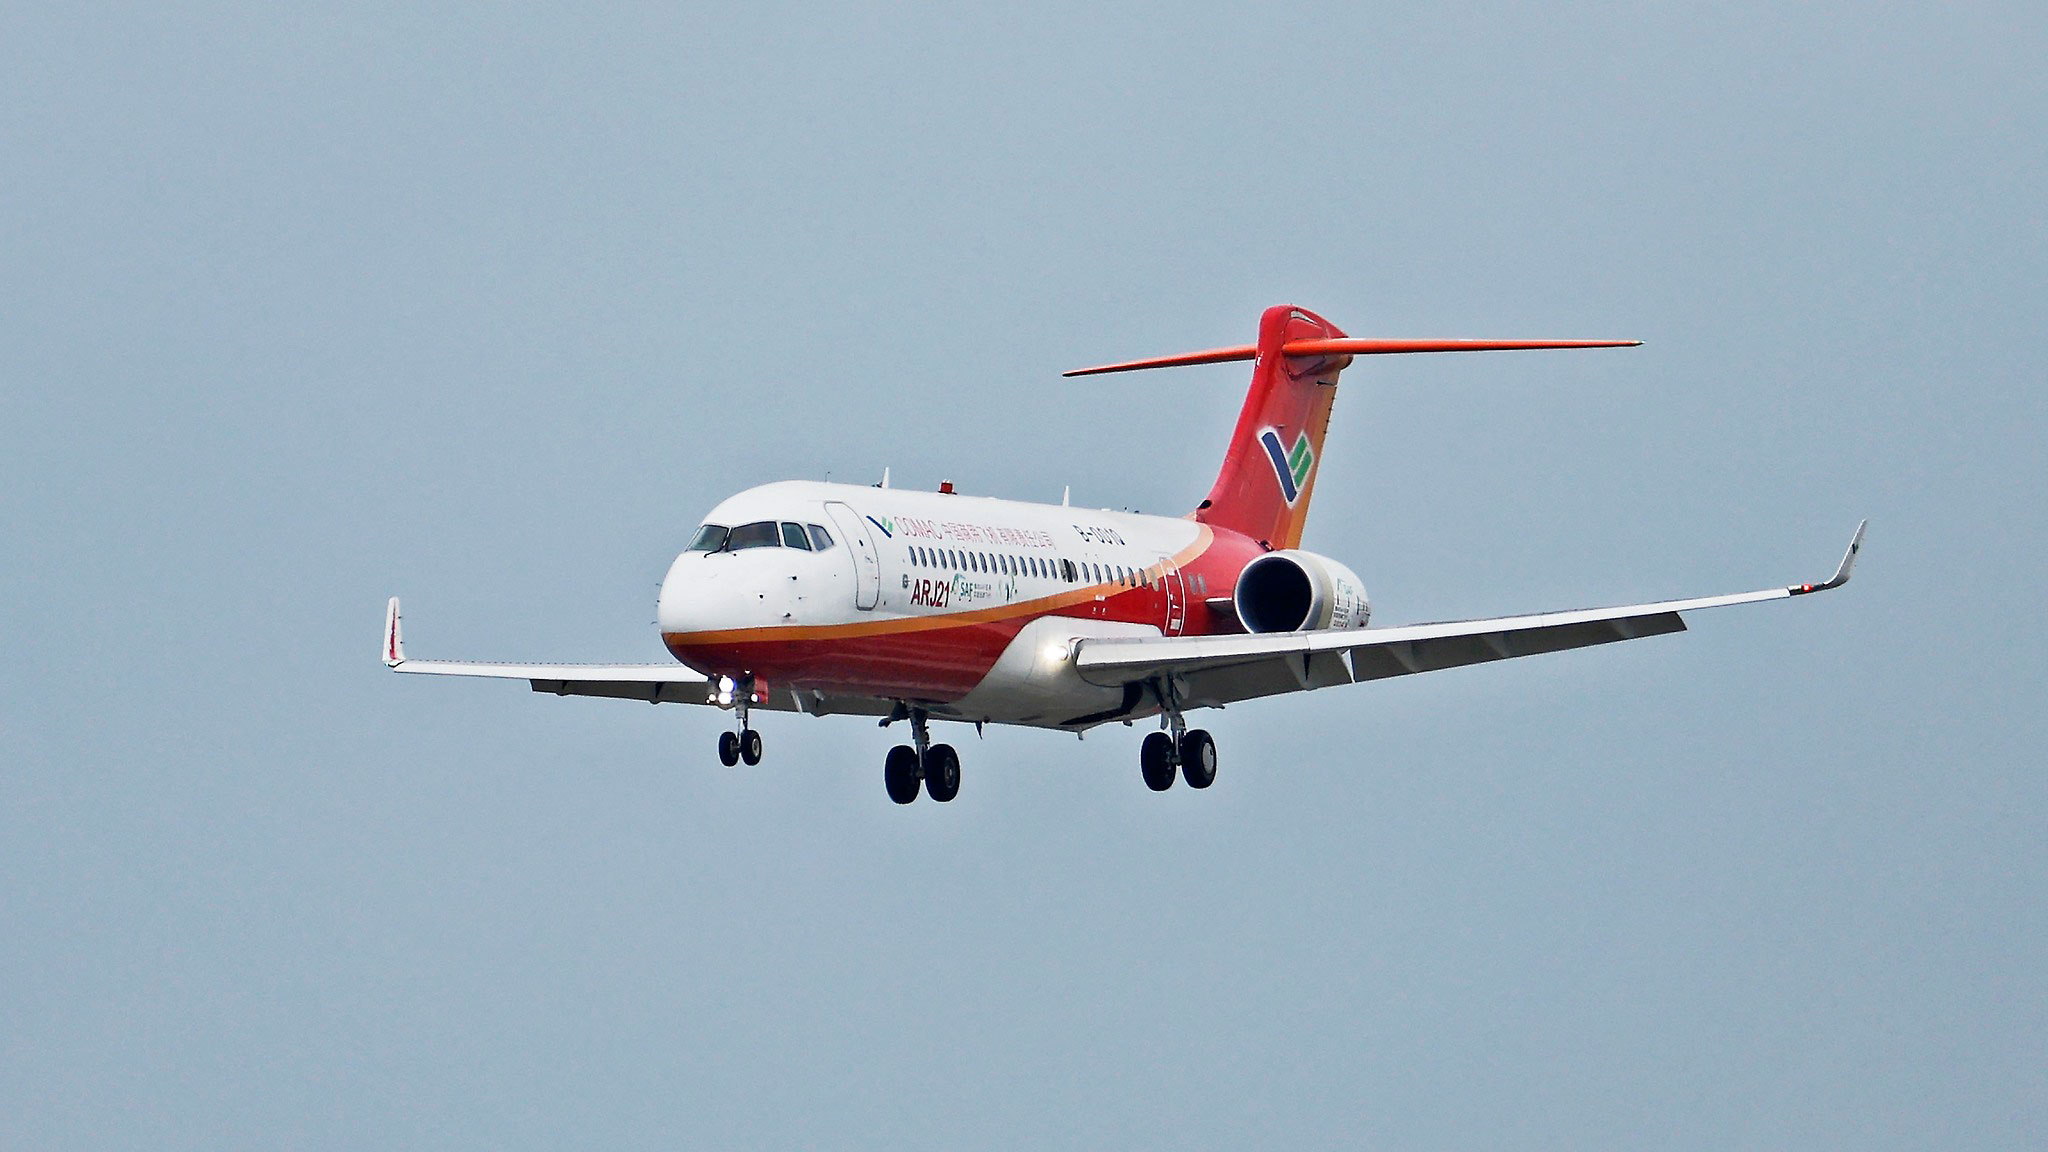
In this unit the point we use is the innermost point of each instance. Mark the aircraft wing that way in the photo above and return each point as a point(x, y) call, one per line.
point(654, 683)
point(1210, 670)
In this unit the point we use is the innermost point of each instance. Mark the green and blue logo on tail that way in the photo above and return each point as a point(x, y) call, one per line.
point(1291, 468)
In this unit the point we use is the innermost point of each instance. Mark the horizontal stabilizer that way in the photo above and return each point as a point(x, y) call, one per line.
point(1346, 346)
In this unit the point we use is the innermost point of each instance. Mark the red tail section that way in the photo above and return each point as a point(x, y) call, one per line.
point(1270, 471)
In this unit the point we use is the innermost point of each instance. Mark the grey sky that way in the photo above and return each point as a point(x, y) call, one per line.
point(485, 307)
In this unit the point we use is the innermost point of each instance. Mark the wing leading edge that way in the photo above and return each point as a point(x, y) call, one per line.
point(1208, 670)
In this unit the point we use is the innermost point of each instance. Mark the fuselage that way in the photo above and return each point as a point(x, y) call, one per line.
point(964, 604)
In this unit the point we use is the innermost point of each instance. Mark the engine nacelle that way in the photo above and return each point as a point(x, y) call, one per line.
point(1294, 591)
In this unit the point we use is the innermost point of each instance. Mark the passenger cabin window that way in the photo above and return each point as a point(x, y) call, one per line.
point(793, 537)
point(759, 534)
point(820, 539)
point(710, 538)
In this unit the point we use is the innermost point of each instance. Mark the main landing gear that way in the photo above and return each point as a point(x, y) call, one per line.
point(743, 743)
point(935, 767)
point(1188, 750)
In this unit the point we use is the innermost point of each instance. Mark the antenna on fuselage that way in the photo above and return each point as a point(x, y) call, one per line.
point(885, 478)
point(1066, 494)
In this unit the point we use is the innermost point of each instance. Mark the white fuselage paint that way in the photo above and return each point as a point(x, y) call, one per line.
point(932, 556)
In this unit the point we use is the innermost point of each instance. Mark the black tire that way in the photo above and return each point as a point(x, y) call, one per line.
point(941, 772)
point(1155, 760)
point(899, 774)
point(750, 746)
point(728, 748)
point(1198, 758)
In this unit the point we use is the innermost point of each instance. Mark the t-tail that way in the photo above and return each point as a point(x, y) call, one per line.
point(1269, 471)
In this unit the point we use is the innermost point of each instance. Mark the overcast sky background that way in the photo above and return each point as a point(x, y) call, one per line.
point(486, 306)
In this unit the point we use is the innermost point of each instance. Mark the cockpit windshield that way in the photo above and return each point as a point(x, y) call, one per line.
point(760, 534)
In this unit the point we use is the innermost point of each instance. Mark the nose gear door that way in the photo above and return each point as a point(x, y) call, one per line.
point(867, 561)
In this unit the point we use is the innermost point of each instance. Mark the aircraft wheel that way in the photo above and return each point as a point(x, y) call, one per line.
point(899, 774)
point(728, 748)
point(750, 746)
point(1155, 759)
point(1198, 758)
point(941, 772)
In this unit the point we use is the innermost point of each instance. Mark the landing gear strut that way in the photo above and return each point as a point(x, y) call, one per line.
point(934, 766)
point(743, 743)
point(1190, 751)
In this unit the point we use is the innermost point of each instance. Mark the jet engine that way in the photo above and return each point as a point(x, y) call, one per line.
point(1294, 591)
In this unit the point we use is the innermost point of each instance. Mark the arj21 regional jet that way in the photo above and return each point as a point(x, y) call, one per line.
point(837, 599)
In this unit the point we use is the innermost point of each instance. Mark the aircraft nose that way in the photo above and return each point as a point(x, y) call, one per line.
point(685, 595)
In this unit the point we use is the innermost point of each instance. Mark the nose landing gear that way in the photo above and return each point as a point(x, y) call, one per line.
point(743, 743)
point(921, 763)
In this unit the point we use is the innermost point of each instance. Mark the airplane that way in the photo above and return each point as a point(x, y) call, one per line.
point(919, 606)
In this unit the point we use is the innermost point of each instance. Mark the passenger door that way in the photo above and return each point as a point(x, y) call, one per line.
point(867, 561)
point(1176, 600)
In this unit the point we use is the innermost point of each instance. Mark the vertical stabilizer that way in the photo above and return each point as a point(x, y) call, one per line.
point(1269, 473)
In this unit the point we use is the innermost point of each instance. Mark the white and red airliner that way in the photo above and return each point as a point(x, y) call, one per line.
point(836, 599)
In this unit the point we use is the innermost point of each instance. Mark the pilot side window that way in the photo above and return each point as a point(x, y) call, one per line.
point(793, 537)
point(760, 534)
point(820, 539)
point(710, 538)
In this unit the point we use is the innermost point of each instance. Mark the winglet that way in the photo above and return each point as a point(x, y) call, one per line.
point(394, 641)
point(1841, 575)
